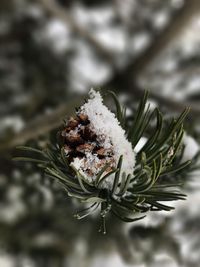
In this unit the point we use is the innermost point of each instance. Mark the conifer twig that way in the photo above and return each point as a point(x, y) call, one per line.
point(41, 125)
point(133, 189)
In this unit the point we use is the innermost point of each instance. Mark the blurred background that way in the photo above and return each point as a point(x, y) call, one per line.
point(51, 53)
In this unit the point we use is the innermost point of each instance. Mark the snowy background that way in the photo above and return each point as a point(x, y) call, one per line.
point(51, 53)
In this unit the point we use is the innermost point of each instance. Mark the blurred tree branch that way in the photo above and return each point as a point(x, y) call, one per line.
point(182, 70)
point(178, 23)
point(55, 10)
point(41, 125)
point(126, 79)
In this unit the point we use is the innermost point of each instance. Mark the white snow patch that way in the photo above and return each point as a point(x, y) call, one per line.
point(112, 259)
point(87, 68)
point(139, 42)
point(140, 144)
point(114, 39)
point(14, 123)
point(6, 260)
point(191, 147)
point(56, 34)
point(160, 20)
point(95, 18)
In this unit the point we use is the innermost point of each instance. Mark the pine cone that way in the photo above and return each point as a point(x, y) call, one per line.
point(81, 143)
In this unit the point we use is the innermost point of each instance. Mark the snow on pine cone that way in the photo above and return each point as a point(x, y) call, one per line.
point(94, 138)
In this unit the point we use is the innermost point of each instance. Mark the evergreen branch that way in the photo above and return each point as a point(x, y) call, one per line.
point(128, 193)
